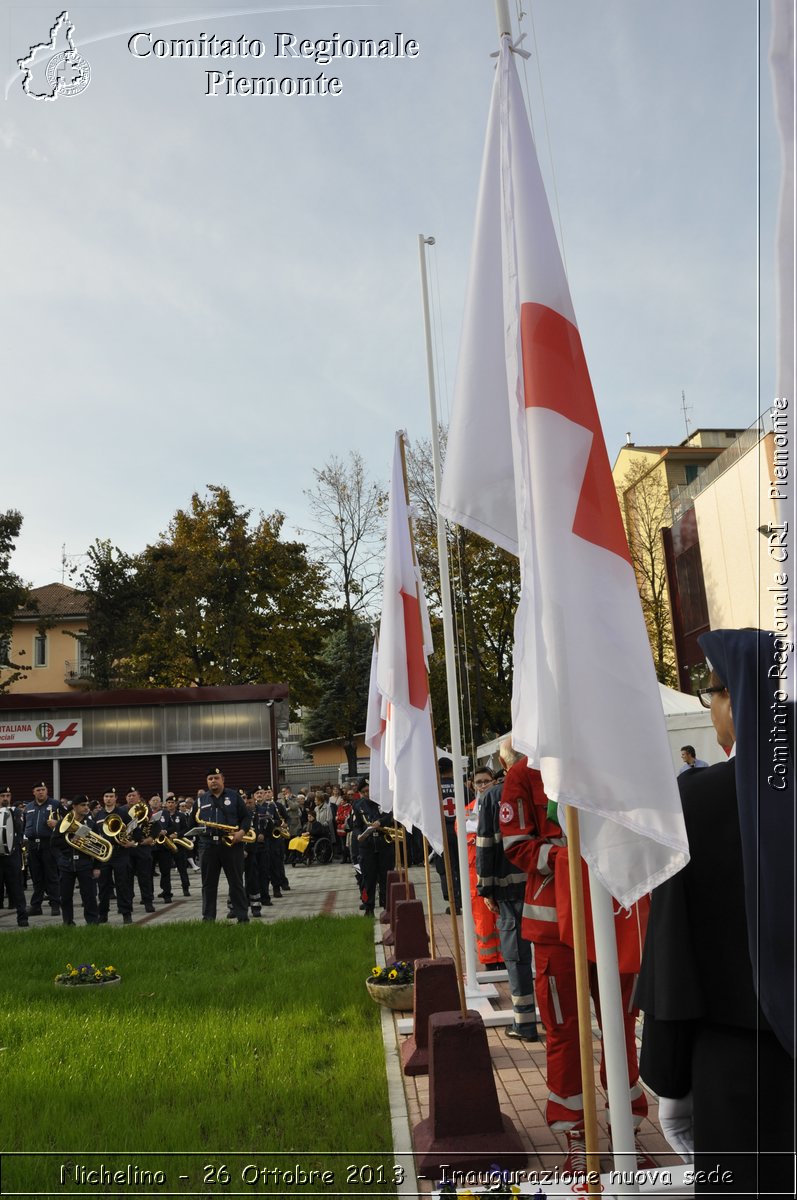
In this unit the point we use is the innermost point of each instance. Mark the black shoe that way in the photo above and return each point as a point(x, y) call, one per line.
point(102, 920)
point(522, 1037)
point(277, 894)
point(255, 912)
point(267, 903)
point(369, 912)
point(186, 891)
point(35, 912)
point(231, 916)
point(22, 922)
point(127, 919)
point(55, 910)
point(286, 887)
point(149, 907)
point(168, 899)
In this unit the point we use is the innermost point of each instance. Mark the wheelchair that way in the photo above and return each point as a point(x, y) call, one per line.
point(307, 850)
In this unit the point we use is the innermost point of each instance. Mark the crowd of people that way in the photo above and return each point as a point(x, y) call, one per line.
point(124, 849)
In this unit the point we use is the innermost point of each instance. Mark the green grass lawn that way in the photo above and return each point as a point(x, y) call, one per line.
point(222, 1040)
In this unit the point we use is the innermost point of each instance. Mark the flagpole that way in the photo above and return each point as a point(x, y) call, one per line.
point(468, 927)
point(446, 852)
point(582, 996)
point(614, 1050)
point(428, 879)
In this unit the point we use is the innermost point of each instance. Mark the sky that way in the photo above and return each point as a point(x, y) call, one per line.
point(211, 289)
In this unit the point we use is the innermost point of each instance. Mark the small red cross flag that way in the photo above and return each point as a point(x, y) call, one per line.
point(402, 675)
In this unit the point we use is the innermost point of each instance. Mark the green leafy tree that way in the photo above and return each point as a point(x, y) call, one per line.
point(343, 670)
point(13, 594)
point(227, 601)
point(117, 612)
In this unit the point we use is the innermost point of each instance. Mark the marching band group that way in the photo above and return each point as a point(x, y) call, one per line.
point(109, 848)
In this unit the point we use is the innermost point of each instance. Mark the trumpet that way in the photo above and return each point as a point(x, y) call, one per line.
point(249, 836)
point(86, 840)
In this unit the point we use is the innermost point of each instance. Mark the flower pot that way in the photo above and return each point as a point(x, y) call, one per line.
point(87, 987)
point(397, 996)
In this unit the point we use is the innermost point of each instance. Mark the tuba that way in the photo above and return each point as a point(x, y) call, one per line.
point(87, 841)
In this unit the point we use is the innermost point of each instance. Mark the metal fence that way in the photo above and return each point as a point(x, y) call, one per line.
point(683, 498)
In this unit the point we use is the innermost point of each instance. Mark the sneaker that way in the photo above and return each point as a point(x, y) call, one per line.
point(576, 1162)
point(531, 1036)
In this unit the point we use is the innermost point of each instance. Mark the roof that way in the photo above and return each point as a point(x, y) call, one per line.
point(144, 697)
point(53, 600)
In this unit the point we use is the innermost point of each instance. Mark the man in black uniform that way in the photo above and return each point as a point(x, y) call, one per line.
point(376, 851)
point(220, 805)
point(141, 853)
point(41, 860)
point(256, 873)
point(75, 864)
point(446, 769)
point(180, 823)
point(11, 827)
point(278, 813)
point(117, 874)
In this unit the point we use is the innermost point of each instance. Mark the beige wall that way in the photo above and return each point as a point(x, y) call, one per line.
point(333, 754)
point(736, 563)
point(61, 648)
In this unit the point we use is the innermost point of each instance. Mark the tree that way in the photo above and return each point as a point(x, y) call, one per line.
point(227, 601)
point(485, 585)
point(341, 708)
point(116, 613)
point(645, 506)
point(348, 536)
point(13, 594)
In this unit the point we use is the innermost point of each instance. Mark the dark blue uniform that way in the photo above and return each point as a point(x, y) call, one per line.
point(42, 864)
point(215, 856)
point(11, 867)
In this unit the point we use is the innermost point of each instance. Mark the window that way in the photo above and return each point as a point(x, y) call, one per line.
point(691, 470)
point(40, 650)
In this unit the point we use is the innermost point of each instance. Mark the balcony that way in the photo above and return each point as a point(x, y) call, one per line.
point(77, 672)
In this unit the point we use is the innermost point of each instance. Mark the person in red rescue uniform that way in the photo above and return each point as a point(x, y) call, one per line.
point(488, 943)
point(532, 841)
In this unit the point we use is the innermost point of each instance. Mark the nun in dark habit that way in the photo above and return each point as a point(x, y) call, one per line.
point(717, 977)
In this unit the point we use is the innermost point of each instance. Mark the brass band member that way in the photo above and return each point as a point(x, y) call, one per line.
point(11, 826)
point(116, 875)
point(74, 864)
point(220, 805)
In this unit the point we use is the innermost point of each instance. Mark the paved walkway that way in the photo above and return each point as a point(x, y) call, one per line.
point(519, 1069)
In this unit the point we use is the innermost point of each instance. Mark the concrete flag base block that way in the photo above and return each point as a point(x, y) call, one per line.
point(435, 991)
point(393, 876)
point(465, 1129)
point(399, 891)
point(409, 929)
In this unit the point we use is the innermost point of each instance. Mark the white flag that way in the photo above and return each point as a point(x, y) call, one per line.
point(375, 726)
point(402, 675)
point(585, 705)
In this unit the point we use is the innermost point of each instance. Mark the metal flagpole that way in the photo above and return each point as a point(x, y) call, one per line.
point(446, 854)
point(623, 1148)
point(468, 928)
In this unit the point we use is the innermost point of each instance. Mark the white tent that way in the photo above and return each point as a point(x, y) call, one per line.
point(688, 724)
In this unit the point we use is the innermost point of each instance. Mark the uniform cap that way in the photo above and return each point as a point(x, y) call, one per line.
point(42, 784)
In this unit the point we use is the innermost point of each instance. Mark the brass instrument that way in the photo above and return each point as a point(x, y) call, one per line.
point(249, 836)
point(114, 827)
point(139, 819)
point(182, 843)
point(281, 831)
point(86, 840)
point(163, 839)
point(391, 832)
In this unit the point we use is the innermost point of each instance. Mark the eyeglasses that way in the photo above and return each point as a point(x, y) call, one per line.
point(704, 694)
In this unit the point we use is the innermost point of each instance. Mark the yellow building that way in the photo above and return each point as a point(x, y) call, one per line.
point(646, 478)
point(47, 641)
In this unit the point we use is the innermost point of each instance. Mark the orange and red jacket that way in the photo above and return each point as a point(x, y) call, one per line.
point(531, 841)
